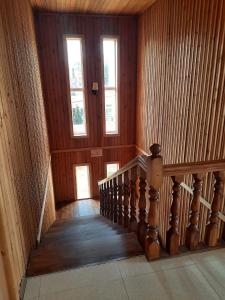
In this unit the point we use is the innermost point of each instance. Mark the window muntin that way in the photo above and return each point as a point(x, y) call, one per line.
point(76, 83)
point(82, 174)
point(111, 168)
point(110, 63)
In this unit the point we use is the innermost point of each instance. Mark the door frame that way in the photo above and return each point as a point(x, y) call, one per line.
point(75, 179)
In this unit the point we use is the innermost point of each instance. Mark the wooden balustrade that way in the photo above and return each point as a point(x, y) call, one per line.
point(119, 202)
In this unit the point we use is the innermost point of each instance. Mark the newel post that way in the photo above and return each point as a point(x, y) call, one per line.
point(154, 180)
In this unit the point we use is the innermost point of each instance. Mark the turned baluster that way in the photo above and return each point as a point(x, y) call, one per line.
point(111, 200)
point(101, 199)
point(142, 225)
point(154, 179)
point(133, 219)
point(104, 200)
point(115, 200)
point(172, 237)
point(108, 199)
point(192, 233)
point(126, 192)
point(211, 234)
point(120, 200)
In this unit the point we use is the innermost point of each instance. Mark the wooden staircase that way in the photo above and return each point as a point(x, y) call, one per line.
point(156, 202)
point(133, 208)
point(82, 241)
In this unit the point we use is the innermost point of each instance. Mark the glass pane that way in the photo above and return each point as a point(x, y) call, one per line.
point(110, 62)
point(74, 52)
point(111, 118)
point(82, 182)
point(112, 168)
point(78, 113)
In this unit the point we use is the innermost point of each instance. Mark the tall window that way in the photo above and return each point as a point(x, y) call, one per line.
point(111, 168)
point(76, 80)
point(110, 60)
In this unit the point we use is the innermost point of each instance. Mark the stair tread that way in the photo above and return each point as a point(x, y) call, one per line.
point(82, 241)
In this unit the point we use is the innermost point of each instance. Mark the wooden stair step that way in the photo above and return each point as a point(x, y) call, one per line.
point(80, 242)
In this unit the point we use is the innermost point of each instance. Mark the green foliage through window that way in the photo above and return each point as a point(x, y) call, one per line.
point(78, 115)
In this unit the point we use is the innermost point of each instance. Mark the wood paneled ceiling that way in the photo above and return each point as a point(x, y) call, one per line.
point(94, 6)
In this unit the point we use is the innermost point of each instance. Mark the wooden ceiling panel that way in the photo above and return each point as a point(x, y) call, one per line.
point(93, 6)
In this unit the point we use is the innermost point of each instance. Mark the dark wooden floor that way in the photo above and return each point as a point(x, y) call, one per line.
point(81, 208)
point(81, 237)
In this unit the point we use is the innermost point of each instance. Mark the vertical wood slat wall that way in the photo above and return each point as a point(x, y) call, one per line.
point(49, 209)
point(181, 94)
point(51, 27)
point(24, 151)
point(63, 163)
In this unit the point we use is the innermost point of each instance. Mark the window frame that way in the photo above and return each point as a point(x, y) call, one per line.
point(117, 37)
point(83, 55)
point(75, 180)
point(111, 162)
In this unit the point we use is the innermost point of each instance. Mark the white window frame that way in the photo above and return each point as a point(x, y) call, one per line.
point(84, 89)
point(117, 89)
point(109, 163)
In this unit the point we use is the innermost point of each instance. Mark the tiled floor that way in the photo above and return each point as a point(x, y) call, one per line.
point(195, 276)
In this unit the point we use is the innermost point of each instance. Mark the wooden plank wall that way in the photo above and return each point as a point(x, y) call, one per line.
point(4, 294)
point(63, 164)
point(180, 98)
point(124, 7)
point(49, 212)
point(50, 31)
point(24, 150)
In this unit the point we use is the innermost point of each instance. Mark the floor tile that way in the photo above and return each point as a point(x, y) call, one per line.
point(113, 290)
point(32, 288)
point(214, 272)
point(213, 255)
point(181, 283)
point(88, 276)
point(171, 263)
point(134, 266)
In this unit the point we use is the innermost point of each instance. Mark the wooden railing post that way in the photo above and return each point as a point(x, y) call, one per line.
point(172, 237)
point(211, 234)
point(108, 207)
point(126, 192)
point(111, 199)
point(115, 201)
point(104, 200)
point(154, 179)
point(192, 233)
point(101, 199)
point(133, 219)
point(120, 200)
point(142, 225)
